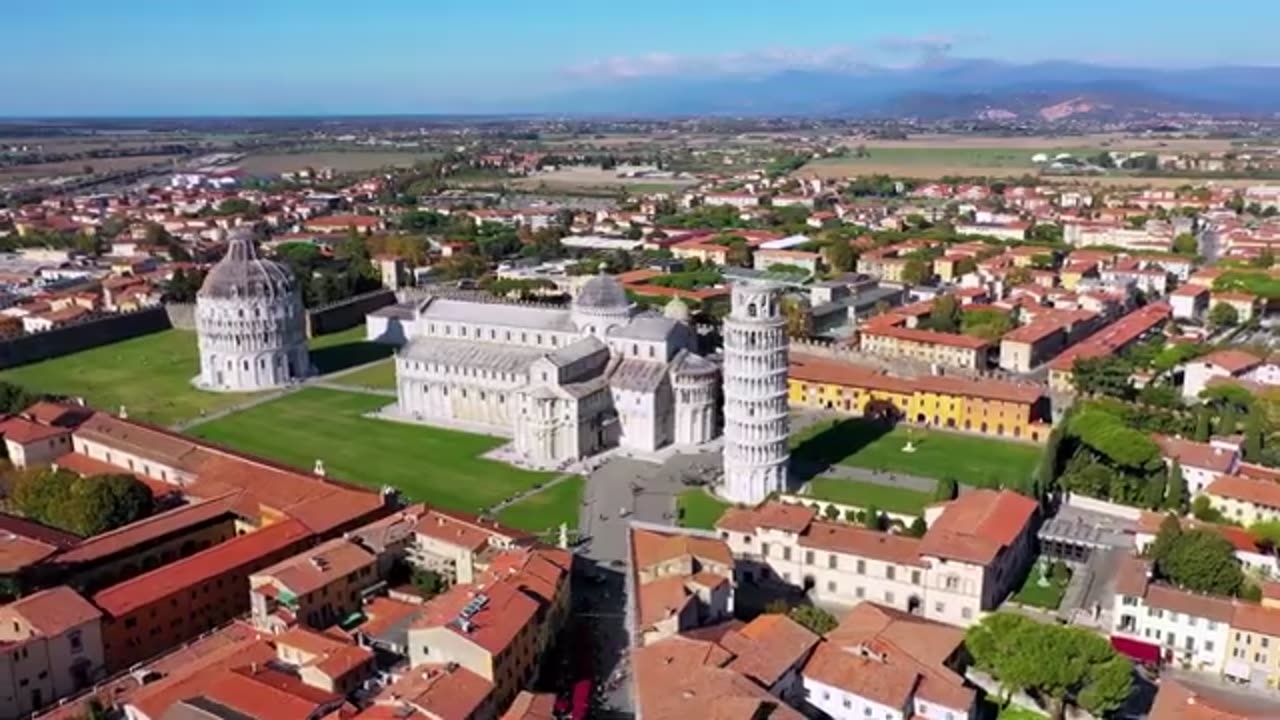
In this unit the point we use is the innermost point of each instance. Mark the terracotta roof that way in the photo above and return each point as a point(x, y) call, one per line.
point(1176, 701)
point(853, 540)
point(976, 526)
point(776, 515)
point(237, 553)
point(32, 530)
point(1256, 618)
point(929, 337)
point(767, 647)
point(1170, 598)
point(311, 570)
point(330, 656)
point(1239, 487)
point(494, 627)
point(1190, 453)
point(264, 693)
point(54, 611)
point(678, 678)
point(888, 656)
point(651, 547)
point(1132, 576)
point(149, 529)
point(192, 676)
point(446, 692)
point(1233, 361)
point(531, 706)
point(1243, 540)
point(22, 431)
point(464, 530)
point(47, 412)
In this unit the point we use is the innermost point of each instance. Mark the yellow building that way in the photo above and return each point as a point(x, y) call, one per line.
point(988, 407)
point(1253, 646)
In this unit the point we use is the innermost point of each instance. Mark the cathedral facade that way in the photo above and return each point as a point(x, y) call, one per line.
point(565, 384)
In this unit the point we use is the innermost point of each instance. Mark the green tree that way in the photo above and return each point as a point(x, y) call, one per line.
point(916, 272)
point(1199, 560)
point(1154, 493)
point(945, 315)
point(945, 489)
point(1228, 420)
point(918, 527)
point(1104, 375)
point(840, 255)
point(739, 253)
point(1176, 497)
point(873, 520)
point(799, 318)
point(1253, 434)
point(832, 512)
point(1057, 664)
point(818, 621)
point(1204, 418)
point(429, 583)
point(1186, 244)
point(82, 505)
point(1223, 315)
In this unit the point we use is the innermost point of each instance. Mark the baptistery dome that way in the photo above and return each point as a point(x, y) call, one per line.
point(250, 323)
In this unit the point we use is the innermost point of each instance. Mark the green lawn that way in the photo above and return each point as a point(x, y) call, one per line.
point(381, 376)
point(866, 494)
point(1032, 593)
point(151, 375)
point(863, 443)
point(438, 466)
point(699, 509)
point(547, 509)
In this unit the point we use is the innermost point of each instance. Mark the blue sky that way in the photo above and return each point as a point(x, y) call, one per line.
point(140, 57)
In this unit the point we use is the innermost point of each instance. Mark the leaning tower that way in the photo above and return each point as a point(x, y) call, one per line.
point(756, 424)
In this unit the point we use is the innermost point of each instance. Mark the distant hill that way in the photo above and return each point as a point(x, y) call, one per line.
point(950, 88)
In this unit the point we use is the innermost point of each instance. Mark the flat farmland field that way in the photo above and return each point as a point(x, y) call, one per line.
point(595, 178)
point(352, 161)
point(76, 167)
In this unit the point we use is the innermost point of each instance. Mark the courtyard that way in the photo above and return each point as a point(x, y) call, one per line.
point(435, 465)
point(862, 494)
point(151, 375)
point(873, 445)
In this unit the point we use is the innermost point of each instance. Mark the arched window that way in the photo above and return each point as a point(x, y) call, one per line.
point(751, 310)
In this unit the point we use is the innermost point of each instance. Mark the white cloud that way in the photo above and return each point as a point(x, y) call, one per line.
point(888, 51)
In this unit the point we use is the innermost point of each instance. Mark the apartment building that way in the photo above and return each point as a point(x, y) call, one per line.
point(678, 677)
point(989, 407)
point(1201, 463)
point(1158, 623)
point(50, 647)
point(680, 581)
point(316, 588)
point(460, 546)
point(882, 336)
point(497, 627)
point(976, 548)
point(1202, 372)
point(1245, 498)
point(884, 663)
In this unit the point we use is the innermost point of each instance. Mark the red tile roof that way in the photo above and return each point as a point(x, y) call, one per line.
point(149, 529)
point(22, 431)
point(235, 554)
point(1239, 487)
point(446, 692)
point(976, 526)
point(54, 611)
point(1233, 361)
point(1190, 453)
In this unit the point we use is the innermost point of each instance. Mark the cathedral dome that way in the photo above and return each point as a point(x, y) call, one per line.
point(601, 293)
point(242, 274)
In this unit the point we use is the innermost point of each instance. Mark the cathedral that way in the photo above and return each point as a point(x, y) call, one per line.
point(565, 384)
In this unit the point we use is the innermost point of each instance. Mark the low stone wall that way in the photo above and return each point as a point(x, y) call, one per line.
point(99, 330)
point(344, 314)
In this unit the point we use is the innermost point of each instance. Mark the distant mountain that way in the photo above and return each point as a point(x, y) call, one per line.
point(950, 88)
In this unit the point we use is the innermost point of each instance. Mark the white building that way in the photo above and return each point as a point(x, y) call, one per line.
point(1190, 630)
point(250, 323)
point(886, 664)
point(757, 423)
point(1198, 374)
point(565, 384)
point(1201, 463)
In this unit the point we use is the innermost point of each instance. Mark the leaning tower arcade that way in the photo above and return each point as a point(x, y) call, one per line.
point(755, 394)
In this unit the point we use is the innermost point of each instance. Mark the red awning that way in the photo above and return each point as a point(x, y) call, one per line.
point(1143, 652)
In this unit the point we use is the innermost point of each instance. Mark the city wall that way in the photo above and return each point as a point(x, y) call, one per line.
point(100, 330)
point(348, 313)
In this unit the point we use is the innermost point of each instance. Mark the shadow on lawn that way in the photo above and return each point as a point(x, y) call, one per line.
point(816, 454)
point(340, 357)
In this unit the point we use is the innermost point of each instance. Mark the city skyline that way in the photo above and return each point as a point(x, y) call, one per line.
point(329, 58)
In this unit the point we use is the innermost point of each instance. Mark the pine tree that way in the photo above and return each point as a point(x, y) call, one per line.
point(1253, 435)
point(1202, 425)
point(1227, 420)
point(1153, 494)
point(1176, 492)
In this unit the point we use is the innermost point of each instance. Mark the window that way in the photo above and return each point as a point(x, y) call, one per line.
point(915, 577)
point(77, 644)
point(831, 561)
point(831, 586)
point(786, 553)
point(808, 557)
point(966, 613)
point(888, 597)
point(862, 567)
point(890, 571)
